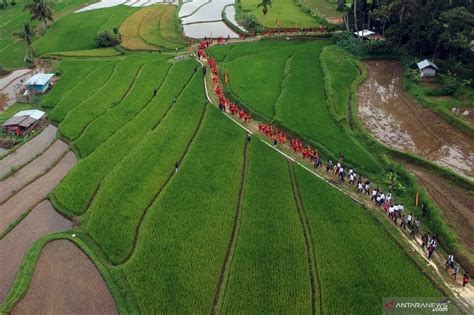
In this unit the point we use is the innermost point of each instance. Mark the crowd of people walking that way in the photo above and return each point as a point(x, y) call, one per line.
point(395, 211)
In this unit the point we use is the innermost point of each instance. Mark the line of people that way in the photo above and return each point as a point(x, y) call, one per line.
point(394, 211)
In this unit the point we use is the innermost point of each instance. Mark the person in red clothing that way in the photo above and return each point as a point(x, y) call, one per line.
point(465, 279)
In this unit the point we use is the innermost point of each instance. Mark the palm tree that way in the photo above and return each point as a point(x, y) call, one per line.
point(41, 10)
point(265, 4)
point(26, 33)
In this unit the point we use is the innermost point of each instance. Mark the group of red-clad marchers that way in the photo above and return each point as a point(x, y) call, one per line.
point(280, 137)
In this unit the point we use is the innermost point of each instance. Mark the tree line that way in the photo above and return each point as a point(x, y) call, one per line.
point(439, 29)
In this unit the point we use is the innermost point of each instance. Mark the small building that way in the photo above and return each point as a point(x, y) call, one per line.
point(369, 35)
point(39, 83)
point(23, 122)
point(427, 69)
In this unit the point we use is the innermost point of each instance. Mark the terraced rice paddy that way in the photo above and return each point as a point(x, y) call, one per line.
point(202, 19)
point(283, 13)
point(82, 27)
point(283, 82)
point(151, 28)
point(176, 209)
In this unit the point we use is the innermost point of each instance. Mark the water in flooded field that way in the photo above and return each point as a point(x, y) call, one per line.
point(397, 121)
point(209, 29)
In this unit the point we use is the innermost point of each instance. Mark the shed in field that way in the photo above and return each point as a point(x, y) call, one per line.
point(427, 68)
point(23, 122)
point(39, 83)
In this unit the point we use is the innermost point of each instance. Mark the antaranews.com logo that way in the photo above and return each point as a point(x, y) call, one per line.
point(418, 306)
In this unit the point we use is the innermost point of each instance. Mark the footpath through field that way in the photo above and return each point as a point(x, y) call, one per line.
point(465, 295)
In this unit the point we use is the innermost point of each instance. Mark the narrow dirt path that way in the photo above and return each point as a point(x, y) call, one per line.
point(36, 168)
point(40, 221)
point(229, 254)
point(65, 281)
point(395, 119)
point(28, 151)
point(35, 192)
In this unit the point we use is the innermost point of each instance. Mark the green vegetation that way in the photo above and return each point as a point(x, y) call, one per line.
point(12, 49)
point(288, 13)
point(109, 95)
point(152, 28)
point(339, 74)
point(139, 178)
point(184, 236)
point(140, 95)
point(326, 9)
point(78, 31)
point(98, 52)
point(76, 191)
point(75, 71)
point(284, 84)
point(357, 261)
point(82, 90)
point(270, 261)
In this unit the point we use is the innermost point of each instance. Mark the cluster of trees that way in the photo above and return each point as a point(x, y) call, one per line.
point(440, 29)
point(108, 38)
point(42, 11)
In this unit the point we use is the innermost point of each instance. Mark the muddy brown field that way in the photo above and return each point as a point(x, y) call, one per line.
point(65, 281)
point(40, 221)
point(397, 121)
point(28, 151)
point(35, 192)
point(33, 170)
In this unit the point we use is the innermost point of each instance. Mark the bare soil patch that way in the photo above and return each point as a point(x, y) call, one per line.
point(398, 121)
point(28, 151)
point(35, 192)
point(40, 221)
point(65, 281)
point(33, 170)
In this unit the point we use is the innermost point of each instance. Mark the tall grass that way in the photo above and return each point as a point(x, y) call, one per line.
point(77, 31)
point(109, 95)
point(358, 263)
point(76, 190)
point(83, 90)
point(184, 236)
point(269, 271)
point(127, 191)
point(102, 128)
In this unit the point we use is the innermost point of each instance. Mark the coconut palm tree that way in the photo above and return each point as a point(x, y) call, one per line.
point(265, 4)
point(41, 10)
point(26, 33)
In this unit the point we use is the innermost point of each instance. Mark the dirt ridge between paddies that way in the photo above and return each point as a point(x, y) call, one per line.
point(309, 242)
point(226, 266)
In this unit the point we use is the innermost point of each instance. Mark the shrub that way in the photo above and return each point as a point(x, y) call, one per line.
point(107, 39)
point(249, 21)
point(450, 83)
